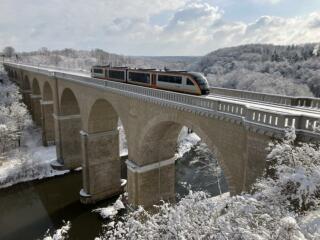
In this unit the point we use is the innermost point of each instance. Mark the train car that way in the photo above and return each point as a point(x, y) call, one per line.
point(98, 72)
point(118, 74)
point(186, 82)
point(178, 81)
point(142, 77)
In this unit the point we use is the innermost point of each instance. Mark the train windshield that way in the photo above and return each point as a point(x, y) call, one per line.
point(200, 79)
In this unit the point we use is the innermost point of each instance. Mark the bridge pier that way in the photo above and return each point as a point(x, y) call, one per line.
point(67, 141)
point(149, 184)
point(36, 109)
point(47, 123)
point(100, 166)
point(26, 97)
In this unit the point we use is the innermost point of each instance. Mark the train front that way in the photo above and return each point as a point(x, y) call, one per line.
point(202, 82)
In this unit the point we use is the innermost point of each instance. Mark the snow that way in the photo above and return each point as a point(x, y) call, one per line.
point(310, 224)
point(122, 140)
point(60, 234)
point(186, 141)
point(123, 182)
point(29, 162)
point(83, 193)
point(111, 211)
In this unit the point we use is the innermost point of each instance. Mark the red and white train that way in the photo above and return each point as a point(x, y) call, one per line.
point(178, 81)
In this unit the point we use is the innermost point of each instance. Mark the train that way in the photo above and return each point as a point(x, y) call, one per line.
point(178, 81)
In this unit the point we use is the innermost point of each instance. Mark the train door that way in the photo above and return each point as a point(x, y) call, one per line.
point(153, 81)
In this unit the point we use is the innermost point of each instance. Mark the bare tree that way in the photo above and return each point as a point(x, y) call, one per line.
point(8, 51)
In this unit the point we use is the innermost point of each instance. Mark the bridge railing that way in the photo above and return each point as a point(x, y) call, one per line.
point(232, 108)
point(268, 98)
point(309, 123)
point(52, 67)
point(273, 119)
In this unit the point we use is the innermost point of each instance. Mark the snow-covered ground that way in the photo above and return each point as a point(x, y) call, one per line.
point(60, 234)
point(122, 140)
point(186, 141)
point(29, 162)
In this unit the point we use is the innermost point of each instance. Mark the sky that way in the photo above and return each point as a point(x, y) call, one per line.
point(156, 27)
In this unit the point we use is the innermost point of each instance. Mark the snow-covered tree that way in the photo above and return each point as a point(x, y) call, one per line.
point(283, 204)
point(290, 70)
point(14, 117)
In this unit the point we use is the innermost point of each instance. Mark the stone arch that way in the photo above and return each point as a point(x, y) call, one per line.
point(102, 117)
point(69, 105)
point(47, 92)
point(35, 87)
point(159, 138)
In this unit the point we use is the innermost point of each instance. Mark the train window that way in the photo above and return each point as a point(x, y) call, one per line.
point(98, 70)
point(189, 82)
point(116, 74)
point(139, 77)
point(170, 79)
point(199, 78)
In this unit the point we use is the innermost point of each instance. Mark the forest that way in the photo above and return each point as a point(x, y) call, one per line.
point(290, 70)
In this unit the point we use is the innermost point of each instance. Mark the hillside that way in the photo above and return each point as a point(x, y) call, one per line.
point(290, 70)
point(83, 59)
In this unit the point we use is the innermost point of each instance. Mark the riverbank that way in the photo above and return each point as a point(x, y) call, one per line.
point(28, 162)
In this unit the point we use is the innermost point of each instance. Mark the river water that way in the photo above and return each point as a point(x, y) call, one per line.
point(29, 209)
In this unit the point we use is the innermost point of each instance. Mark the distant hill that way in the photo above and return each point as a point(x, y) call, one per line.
point(82, 59)
point(290, 70)
point(172, 62)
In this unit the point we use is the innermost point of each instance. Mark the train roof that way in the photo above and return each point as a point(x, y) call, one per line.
point(100, 66)
point(108, 66)
point(195, 74)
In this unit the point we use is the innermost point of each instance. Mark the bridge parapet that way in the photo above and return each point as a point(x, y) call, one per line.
point(268, 98)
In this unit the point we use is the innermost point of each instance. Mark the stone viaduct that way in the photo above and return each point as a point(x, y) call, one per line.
point(80, 115)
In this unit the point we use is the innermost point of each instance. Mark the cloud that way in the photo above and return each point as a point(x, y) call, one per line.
point(267, 1)
point(124, 26)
